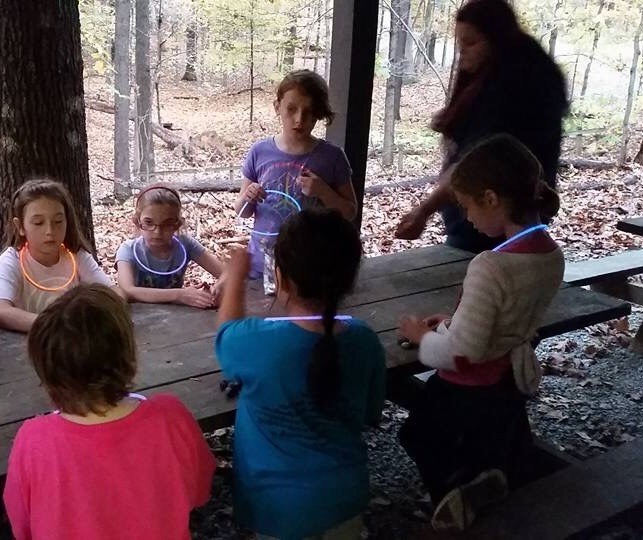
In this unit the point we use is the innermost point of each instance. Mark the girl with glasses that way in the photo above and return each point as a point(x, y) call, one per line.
point(151, 267)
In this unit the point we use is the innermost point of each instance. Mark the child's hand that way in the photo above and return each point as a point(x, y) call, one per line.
point(216, 292)
point(412, 328)
point(434, 321)
point(254, 193)
point(239, 264)
point(198, 298)
point(311, 184)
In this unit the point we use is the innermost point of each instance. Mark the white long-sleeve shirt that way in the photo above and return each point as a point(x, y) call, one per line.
point(504, 297)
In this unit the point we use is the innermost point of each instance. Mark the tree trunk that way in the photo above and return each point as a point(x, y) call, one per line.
point(159, 60)
point(425, 39)
point(144, 155)
point(42, 102)
point(328, 17)
point(252, 62)
point(289, 48)
point(317, 38)
point(388, 143)
point(553, 36)
point(190, 52)
point(446, 35)
point(122, 188)
point(572, 86)
point(630, 92)
point(431, 48)
point(597, 35)
point(380, 30)
point(400, 52)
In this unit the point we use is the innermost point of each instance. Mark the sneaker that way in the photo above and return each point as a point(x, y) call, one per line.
point(459, 507)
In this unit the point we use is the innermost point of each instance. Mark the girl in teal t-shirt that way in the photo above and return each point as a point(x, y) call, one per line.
point(309, 385)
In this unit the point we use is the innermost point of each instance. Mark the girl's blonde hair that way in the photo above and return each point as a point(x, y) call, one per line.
point(157, 194)
point(44, 188)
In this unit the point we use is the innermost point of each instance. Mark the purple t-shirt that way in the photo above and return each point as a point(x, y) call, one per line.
point(277, 170)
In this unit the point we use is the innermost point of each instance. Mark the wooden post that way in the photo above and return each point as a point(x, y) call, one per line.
point(351, 84)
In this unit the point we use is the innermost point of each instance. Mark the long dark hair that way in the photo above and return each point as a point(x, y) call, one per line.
point(510, 47)
point(507, 167)
point(319, 252)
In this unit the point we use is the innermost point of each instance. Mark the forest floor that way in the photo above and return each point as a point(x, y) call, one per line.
point(592, 398)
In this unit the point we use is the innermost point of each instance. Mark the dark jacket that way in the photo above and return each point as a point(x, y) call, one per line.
point(524, 96)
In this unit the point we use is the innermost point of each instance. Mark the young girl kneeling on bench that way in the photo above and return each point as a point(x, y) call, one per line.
point(469, 428)
point(309, 385)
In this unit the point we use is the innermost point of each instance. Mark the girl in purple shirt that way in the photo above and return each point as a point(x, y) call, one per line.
point(306, 169)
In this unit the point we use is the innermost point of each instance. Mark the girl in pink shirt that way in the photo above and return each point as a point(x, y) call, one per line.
point(108, 464)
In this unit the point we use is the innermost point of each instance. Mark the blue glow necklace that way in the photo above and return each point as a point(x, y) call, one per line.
point(520, 235)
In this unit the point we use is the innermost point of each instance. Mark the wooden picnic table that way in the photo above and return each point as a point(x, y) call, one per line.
point(176, 352)
point(631, 225)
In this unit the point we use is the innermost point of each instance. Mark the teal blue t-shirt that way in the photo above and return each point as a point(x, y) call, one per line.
point(297, 472)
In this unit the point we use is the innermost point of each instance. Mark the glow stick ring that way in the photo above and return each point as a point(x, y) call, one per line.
point(74, 271)
point(148, 269)
point(308, 318)
point(275, 191)
point(520, 235)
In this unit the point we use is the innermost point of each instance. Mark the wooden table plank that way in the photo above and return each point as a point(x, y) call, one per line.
point(411, 259)
point(631, 225)
point(201, 395)
point(574, 306)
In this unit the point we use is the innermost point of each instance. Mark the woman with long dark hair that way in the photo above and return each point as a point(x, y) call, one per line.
point(505, 83)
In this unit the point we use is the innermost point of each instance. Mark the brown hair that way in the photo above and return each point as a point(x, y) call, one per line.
point(47, 189)
point(507, 167)
point(83, 349)
point(312, 85)
point(157, 194)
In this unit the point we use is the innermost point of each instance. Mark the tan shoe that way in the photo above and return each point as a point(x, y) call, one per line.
point(459, 507)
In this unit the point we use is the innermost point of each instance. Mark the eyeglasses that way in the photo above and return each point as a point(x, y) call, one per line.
point(168, 226)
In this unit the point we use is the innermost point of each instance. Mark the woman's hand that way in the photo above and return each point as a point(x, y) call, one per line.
point(413, 328)
point(412, 224)
point(254, 193)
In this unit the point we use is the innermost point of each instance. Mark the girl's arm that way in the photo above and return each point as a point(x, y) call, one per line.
point(233, 304)
point(343, 199)
point(16, 319)
point(210, 262)
point(250, 193)
point(188, 296)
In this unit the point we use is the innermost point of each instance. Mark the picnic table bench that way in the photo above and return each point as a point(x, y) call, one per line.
point(631, 225)
point(176, 352)
point(609, 274)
